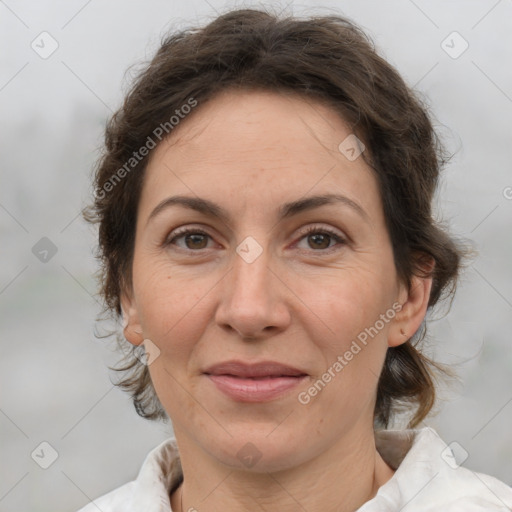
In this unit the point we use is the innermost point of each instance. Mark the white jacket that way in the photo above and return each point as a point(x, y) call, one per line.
point(427, 479)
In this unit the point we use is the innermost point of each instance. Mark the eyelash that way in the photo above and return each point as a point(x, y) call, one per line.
point(310, 230)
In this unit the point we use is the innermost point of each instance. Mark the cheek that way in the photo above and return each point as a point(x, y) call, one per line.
point(349, 308)
point(345, 303)
point(173, 314)
point(353, 353)
point(171, 305)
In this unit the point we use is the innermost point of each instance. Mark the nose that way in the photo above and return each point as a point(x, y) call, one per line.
point(253, 301)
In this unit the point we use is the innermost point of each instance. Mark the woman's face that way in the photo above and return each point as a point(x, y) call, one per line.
point(267, 274)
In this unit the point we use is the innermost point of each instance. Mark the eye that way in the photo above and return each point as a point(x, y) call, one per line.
point(193, 239)
point(320, 238)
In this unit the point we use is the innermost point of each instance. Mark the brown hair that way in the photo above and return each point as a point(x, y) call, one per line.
point(327, 59)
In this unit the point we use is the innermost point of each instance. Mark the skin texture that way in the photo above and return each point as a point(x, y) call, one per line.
point(301, 302)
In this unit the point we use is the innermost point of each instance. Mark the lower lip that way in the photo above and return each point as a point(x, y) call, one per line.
point(255, 390)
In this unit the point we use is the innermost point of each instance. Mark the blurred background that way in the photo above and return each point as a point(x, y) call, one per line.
point(67, 434)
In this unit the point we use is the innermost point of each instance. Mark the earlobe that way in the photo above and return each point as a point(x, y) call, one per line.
point(132, 329)
point(412, 313)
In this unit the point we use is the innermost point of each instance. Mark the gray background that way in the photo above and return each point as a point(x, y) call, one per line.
point(55, 385)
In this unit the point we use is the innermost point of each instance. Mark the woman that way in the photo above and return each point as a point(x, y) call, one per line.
point(265, 229)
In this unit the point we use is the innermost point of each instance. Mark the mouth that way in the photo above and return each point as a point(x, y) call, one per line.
point(258, 382)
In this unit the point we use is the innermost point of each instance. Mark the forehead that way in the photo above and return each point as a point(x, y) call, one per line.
point(257, 149)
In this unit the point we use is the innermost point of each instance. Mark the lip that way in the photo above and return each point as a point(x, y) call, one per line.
point(257, 382)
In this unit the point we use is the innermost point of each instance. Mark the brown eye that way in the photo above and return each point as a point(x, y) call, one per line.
point(193, 239)
point(320, 239)
point(196, 241)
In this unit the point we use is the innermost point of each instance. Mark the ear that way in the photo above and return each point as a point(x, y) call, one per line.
point(131, 324)
point(414, 303)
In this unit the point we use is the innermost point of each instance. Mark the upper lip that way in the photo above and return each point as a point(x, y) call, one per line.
point(261, 369)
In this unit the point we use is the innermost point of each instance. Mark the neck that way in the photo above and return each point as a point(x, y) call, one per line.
point(341, 479)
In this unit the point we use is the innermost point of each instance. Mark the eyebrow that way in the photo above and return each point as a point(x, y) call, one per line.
point(287, 210)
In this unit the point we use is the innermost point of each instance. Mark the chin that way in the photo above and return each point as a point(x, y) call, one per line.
point(257, 451)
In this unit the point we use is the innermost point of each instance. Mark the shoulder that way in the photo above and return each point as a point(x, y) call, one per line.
point(160, 472)
point(117, 500)
point(428, 478)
